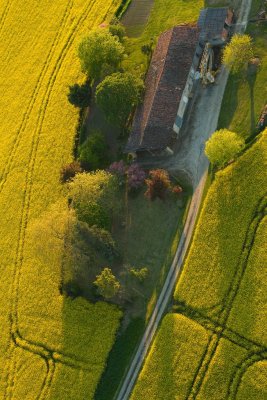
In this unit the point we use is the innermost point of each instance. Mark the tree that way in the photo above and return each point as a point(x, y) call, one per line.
point(100, 49)
point(117, 94)
point(238, 52)
point(136, 176)
point(107, 285)
point(69, 171)
point(140, 274)
point(80, 95)
point(157, 184)
point(223, 146)
point(117, 30)
point(93, 153)
point(94, 196)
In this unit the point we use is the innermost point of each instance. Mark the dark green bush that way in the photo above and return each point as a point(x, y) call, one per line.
point(69, 171)
point(93, 153)
point(80, 95)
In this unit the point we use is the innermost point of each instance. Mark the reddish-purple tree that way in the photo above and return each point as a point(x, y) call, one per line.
point(136, 176)
point(118, 168)
point(157, 184)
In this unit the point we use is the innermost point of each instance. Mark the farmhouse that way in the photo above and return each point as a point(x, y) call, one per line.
point(183, 54)
point(166, 80)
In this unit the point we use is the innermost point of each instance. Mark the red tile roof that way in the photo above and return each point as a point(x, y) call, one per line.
point(166, 78)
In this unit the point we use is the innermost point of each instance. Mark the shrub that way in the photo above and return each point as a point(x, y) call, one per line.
point(141, 274)
point(80, 95)
point(238, 52)
point(117, 30)
point(157, 184)
point(136, 176)
point(69, 171)
point(93, 153)
point(107, 285)
point(223, 146)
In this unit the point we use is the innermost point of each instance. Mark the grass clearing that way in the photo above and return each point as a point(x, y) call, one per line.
point(164, 15)
point(38, 63)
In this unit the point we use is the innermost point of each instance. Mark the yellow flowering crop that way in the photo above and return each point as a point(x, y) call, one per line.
point(48, 344)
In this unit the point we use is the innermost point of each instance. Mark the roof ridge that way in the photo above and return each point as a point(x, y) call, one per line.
point(158, 81)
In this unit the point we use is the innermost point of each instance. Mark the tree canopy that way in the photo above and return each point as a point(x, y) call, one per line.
point(223, 146)
point(106, 283)
point(238, 52)
point(98, 51)
point(94, 196)
point(93, 153)
point(80, 95)
point(117, 94)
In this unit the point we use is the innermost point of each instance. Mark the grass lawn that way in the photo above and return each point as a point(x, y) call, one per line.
point(149, 239)
point(164, 15)
point(246, 93)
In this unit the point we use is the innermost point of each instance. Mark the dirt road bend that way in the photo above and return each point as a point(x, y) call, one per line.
point(204, 122)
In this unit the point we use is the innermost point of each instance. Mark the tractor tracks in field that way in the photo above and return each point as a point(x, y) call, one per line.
point(34, 96)
point(50, 356)
point(219, 327)
point(4, 14)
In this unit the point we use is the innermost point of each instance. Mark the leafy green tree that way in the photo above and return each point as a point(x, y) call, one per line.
point(99, 50)
point(80, 95)
point(140, 274)
point(117, 30)
point(223, 146)
point(107, 285)
point(93, 153)
point(238, 52)
point(95, 198)
point(117, 94)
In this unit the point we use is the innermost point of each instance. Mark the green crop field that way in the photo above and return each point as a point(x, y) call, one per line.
point(50, 346)
point(222, 293)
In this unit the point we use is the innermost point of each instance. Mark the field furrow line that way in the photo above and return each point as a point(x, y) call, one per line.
point(48, 380)
point(232, 292)
point(34, 96)
point(28, 186)
point(241, 369)
point(4, 14)
point(214, 327)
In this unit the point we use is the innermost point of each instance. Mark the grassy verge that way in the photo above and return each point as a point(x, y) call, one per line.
point(246, 93)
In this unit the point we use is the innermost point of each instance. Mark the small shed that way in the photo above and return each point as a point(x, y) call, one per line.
point(166, 81)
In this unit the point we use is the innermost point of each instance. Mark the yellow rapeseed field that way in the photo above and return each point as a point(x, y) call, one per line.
point(215, 347)
point(50, 347)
